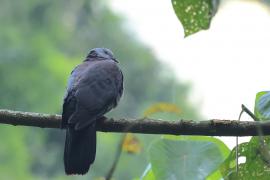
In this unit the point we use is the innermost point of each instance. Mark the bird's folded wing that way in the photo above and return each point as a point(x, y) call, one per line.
point(96, 97)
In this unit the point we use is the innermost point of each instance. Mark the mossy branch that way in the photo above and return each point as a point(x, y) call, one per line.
point(213, 127)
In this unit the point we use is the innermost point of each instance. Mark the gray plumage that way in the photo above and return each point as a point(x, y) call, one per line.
point(94, 88)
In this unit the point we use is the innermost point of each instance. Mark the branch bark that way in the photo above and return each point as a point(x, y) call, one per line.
point(214, 127)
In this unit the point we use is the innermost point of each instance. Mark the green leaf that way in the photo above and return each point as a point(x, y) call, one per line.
point(262, 105)
point(148, 173)
point(255, 166)
point(195, 15)
point(188, 157)
point(216, 175)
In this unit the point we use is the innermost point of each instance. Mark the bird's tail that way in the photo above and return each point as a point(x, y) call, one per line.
point(80, 149)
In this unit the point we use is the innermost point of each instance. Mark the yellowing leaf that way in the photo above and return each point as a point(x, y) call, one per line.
point(131, 144)
point(162, 107)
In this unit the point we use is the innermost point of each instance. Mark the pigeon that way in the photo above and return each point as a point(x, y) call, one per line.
point(94, 88)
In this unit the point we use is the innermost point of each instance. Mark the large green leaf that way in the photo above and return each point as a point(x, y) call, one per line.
point(195, 15)
point(256, 165)
point(262, 105)
point(186, 157)
point(148, 173)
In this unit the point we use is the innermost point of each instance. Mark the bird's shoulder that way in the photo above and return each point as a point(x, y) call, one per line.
point(102, 65)
point(100, 70)
point(91, 71)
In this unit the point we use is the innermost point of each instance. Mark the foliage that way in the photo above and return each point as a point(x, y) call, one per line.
point(256, 163)
point(188, 157)
point(40, 42)
point(195, 15)
point(262, 105)
point(131, 144)
point(196, 158)
point(162, 107)
point(256, 152)
point(14, 156)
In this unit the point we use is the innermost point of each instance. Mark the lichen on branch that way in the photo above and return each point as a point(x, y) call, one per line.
point(213, 127)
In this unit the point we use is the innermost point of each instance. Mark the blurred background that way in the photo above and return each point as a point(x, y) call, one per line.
point(207, 75)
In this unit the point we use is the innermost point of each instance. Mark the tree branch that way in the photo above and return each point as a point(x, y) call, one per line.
point(212, 127)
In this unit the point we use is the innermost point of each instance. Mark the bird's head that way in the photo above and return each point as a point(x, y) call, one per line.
point(97, 54)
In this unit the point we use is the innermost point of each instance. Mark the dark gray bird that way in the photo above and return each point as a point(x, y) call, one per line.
point(94, 88)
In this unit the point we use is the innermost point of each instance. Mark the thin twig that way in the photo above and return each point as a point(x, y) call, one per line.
point(244, 108)
point(259, 128)
point(264, 149)
point(236, 149)
point(116, 158)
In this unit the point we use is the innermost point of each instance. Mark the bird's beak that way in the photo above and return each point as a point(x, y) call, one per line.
point(115, 60)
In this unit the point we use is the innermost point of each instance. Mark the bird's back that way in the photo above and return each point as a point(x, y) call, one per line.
point(94, 88)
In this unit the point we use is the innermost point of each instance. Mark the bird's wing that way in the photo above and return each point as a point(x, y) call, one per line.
point(96, 93)
point(120, 88)
point(69, 105)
